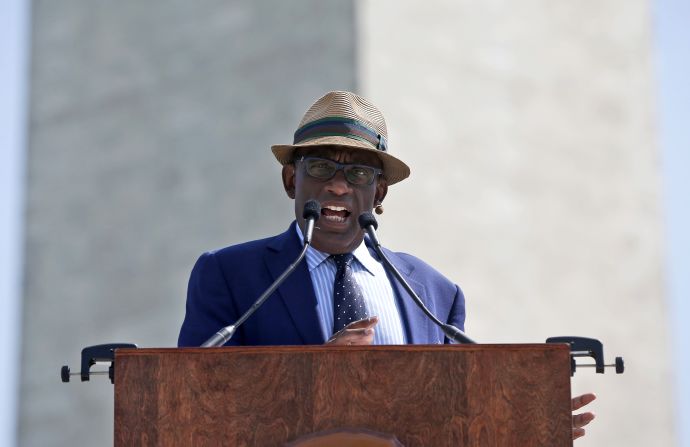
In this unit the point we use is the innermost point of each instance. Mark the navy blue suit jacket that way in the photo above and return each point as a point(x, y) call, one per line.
point(226, 282)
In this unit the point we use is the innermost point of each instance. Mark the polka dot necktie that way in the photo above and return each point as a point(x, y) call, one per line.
point(348, 301)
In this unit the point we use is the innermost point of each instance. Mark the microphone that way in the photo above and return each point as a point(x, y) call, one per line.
point(368, 223)
point(312, 212)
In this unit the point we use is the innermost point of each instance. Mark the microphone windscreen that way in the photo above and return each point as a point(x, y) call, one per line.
point(367, 219)
point(312, 210)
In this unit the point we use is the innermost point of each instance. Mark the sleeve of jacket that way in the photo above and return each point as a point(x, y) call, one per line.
point(210, 305)
point(457, 310)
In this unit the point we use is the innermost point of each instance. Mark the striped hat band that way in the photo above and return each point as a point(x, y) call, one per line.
point(340, 127)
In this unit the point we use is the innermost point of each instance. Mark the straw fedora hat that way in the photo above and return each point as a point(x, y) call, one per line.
point(347, 121)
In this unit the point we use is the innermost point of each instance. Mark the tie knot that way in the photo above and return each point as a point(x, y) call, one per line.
point(342, 260)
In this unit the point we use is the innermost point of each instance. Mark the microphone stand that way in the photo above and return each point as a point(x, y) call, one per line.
point(368, 222)
point(312, 211)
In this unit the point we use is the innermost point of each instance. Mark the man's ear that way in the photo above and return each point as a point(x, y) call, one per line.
point(381, 190)
point(289, 180)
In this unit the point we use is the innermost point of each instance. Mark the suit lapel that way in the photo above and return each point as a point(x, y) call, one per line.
point(418, 328)
point(297, 292)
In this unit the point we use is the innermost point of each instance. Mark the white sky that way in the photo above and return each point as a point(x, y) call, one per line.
point(672, 35)
point(13, 76)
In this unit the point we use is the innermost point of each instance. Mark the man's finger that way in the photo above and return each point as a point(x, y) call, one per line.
point(360, 332)
point(578, 433)
point(357, 332)
point(353, 337)
point(363, 324)
point(580, 401)
point(580, 420)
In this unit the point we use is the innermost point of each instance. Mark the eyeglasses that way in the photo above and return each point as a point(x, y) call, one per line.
point(325, 169)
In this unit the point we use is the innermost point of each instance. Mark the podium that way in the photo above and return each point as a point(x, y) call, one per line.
point(440, 395)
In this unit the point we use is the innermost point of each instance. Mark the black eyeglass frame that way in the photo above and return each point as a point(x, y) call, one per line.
point(341, 166)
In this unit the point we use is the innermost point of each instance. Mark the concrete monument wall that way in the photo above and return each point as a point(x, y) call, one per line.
point(150, 133)
point(530, 129)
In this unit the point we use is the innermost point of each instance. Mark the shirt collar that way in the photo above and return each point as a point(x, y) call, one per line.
point(315, 257)
point(364, 257)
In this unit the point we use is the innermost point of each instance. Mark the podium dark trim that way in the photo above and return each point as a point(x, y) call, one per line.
point(441, 395)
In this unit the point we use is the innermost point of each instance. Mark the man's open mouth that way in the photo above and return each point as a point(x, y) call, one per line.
point(334, 213)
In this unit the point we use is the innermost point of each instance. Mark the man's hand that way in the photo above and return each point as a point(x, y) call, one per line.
point(580, 420)
point(359, 332)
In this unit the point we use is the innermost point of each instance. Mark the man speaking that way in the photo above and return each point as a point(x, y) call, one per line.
point(342, 294)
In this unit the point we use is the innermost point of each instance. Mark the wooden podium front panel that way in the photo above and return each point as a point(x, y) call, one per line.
point(446, 395)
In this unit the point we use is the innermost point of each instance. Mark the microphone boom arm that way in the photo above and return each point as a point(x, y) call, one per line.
point(312, 210)
point(368, 223)
point(449, 330)
point(222, 336)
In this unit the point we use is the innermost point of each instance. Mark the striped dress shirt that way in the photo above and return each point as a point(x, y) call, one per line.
point(376, 288)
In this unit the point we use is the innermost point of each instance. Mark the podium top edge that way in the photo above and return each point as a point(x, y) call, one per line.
point(330, 348)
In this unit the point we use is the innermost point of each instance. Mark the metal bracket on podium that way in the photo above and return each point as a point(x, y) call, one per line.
point(92, 355)
point(588, 347)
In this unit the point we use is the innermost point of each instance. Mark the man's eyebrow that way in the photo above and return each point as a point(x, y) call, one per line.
point(331, 154)
point(322, 153)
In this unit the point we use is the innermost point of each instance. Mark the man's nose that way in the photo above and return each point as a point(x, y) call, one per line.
point(338, 185)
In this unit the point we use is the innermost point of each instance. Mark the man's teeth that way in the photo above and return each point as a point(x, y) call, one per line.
point(335, 213)
point(335, 218)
